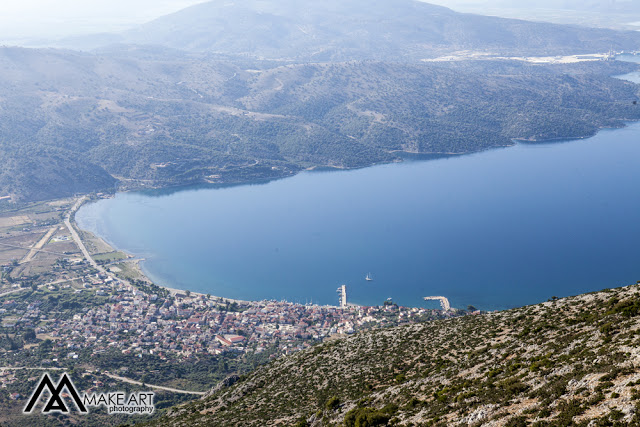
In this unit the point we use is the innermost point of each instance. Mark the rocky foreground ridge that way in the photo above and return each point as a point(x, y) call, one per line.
point(570, 361)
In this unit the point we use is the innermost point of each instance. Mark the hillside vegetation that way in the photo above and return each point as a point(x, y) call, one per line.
point(571, 361)
point(75, 122)
point(251, 90)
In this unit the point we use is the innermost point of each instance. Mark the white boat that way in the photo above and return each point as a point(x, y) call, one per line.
point(368, 278)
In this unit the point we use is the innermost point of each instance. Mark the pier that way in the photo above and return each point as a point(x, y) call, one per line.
point(444, 302)
point(342, 296)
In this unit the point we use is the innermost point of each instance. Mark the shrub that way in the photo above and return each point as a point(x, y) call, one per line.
point(332, 403)
point(365, 417)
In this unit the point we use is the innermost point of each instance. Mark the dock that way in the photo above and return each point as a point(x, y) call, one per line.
point(342, 296)
point(444, 302)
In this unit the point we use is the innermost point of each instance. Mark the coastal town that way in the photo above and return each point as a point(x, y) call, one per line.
point(187, 324)
point(66, 298)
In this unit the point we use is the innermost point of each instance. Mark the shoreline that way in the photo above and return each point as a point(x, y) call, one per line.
point(110, 194)
point(136, 260)
point(172, 291)
point(175, 289)
point(145, 276)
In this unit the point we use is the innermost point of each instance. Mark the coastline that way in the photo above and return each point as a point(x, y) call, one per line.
point(136, 261)
point(171, 287)
point(145, 277)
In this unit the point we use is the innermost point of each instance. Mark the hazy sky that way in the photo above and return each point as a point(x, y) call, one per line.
point(29, 18)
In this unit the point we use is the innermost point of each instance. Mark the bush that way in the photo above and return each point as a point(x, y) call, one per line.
point(365, 417)
point(332, 403)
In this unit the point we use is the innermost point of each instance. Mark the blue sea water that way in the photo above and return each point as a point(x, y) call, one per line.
point(496, 229)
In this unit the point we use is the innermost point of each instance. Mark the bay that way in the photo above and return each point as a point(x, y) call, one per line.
point(495, 229)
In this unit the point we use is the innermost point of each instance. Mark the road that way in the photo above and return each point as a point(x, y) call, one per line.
point(11, 292)
point(157, 387)
point(80, 244)
point(32, 249)
point(45, 239)
point(76, 237)
point(115, 377)
point(10, 368)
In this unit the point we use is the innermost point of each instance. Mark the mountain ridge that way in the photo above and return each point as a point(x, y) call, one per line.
point(344, 88)
point(406, 30)
point(150, 120)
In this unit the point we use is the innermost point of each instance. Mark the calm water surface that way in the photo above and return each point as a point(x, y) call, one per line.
point(496, 229)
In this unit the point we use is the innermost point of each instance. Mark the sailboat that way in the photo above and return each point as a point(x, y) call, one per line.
point(368, 278)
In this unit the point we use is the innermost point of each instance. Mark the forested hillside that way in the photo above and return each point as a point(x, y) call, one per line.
point(232, 92)
point(75, 122)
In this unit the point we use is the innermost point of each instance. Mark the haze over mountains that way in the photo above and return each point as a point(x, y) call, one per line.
point(337, 30)
point(616, 14)
point(188, 99)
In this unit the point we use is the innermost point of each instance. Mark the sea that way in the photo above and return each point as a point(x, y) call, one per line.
point(496, 229)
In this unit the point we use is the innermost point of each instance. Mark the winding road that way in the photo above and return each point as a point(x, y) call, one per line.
point(115, 377)
point(157, 387)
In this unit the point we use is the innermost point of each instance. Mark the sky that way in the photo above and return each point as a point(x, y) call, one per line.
point(59, 18)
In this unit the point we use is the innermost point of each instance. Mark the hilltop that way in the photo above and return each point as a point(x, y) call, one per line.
point(564, 362)
point(339, 30)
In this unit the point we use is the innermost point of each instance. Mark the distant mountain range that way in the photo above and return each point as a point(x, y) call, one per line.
point(339, 30)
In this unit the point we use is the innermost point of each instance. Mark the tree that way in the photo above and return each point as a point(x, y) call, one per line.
point(46, 344)
point(29, 335)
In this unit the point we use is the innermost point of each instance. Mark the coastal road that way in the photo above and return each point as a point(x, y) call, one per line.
point(76, 237)
point(80, 244)
point(157, 387)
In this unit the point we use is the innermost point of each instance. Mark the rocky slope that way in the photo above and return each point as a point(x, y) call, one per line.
point(572, 361)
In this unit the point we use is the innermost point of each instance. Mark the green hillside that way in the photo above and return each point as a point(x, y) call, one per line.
point(572, 361)
point(76, 122)
point(252, 90)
